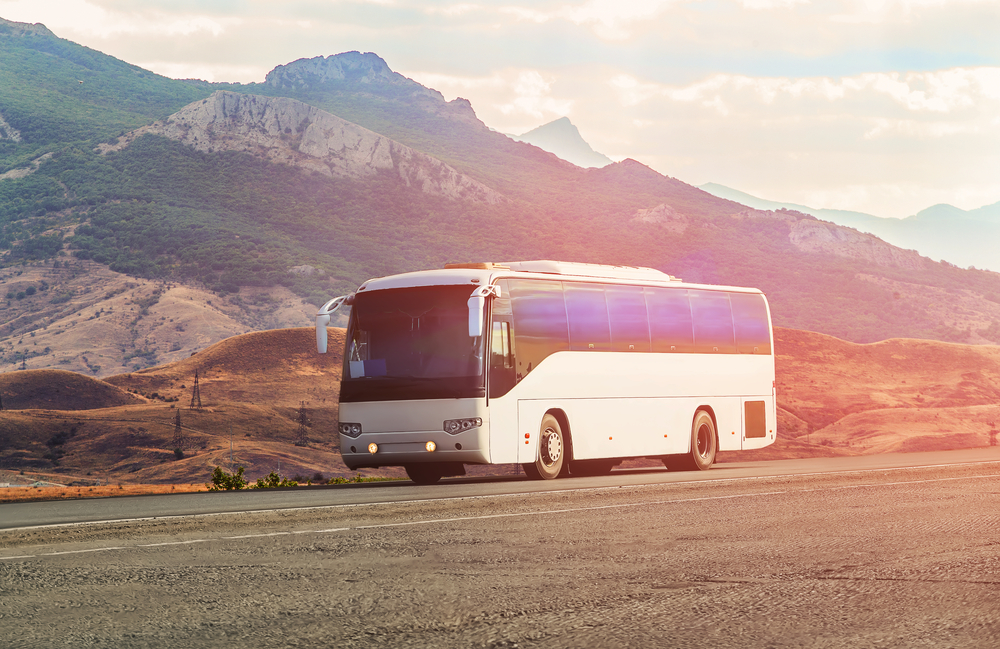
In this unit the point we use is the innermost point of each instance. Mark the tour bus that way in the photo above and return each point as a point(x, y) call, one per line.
point(563, 368)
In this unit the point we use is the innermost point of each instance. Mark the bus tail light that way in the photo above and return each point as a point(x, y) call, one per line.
point(456, 426)
point(350, 430)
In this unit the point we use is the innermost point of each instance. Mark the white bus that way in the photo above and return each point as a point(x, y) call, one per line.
point(564, 368)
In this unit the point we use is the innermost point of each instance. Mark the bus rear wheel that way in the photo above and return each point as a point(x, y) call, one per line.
point(423, 473)
point(704, 445)
point(551, 451)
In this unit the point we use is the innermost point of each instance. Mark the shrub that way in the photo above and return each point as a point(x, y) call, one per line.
point(222, 481)
point(273, 481)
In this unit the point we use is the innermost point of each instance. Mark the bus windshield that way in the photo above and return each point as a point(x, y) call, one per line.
point(412, 343)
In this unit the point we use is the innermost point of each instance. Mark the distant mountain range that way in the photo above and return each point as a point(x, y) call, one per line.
point(336, 169)
point(943, 232)
point(563, 139)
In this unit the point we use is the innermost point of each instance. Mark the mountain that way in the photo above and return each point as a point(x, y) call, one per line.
point(563, 139)
point(242, 205)
point(943, 232)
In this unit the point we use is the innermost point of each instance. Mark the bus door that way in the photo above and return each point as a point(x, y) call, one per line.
point(502, 370)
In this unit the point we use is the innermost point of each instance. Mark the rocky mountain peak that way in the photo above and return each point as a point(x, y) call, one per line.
point(11, 28)
point(354, 67)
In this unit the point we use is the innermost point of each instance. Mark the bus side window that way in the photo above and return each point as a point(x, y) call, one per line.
point(750, 317)
point(587, 313)
point(502, 377)
point(670, 324)
point(540, 327)
point(629, 322)
point(713, 322)
point(500, 347)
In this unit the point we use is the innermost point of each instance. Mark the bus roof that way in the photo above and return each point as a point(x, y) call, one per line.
point(485, 273)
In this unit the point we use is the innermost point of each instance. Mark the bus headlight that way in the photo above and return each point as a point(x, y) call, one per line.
point(350, 430)
point(373, 448)
point(430, 446)
point(456, 426)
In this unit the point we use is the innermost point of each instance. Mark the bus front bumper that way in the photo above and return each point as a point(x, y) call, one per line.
point(399, 449)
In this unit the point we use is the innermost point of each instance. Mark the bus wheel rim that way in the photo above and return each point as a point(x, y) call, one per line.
point(703, 441)
point(551, 448)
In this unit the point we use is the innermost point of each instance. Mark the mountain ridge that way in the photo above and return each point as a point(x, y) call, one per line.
point(942, 232)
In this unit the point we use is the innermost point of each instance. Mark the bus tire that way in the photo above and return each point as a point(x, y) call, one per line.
point(704, 444)
point(423, 473)
point(551, 451)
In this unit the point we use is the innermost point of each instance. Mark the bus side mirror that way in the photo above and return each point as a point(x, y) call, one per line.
point(477, 308)
point(323, 318)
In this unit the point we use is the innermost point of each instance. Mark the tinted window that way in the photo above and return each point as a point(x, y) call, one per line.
point(587, 311)
point(713, 322)
point(669, 319)
point(629, 323)
point(540, 327)
point(412, 343)
point(750, 318)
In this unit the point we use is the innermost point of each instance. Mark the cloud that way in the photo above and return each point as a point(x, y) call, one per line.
point(523, 98)
point(81, 17)
point(944, 91)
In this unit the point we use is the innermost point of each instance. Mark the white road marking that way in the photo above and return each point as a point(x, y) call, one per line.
point(459, 519)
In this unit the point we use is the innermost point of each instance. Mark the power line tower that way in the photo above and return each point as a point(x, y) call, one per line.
point(178, 431)
point(302, 435)
point(196, 393)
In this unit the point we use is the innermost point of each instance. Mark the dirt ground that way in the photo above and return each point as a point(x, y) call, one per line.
point(31, 493)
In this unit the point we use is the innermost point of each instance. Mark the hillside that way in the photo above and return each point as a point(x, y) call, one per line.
point(834, 398)
point(79, 315)
point(337, 169)
point(56, 92)
point(889, 396)
point(255, 389)
point(59, 390)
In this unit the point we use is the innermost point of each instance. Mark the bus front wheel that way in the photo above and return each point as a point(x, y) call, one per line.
point(551, 451)
point(704, 444)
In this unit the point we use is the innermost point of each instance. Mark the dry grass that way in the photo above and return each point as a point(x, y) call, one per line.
point(834, 397)
point(26, 494)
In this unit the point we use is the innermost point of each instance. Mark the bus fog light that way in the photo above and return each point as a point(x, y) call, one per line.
point(430, 446)
point(456, 426)
point(373, 448)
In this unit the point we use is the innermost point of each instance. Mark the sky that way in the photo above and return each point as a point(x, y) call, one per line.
point(879, 106)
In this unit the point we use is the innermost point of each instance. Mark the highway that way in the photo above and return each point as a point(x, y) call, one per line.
point(873, 551)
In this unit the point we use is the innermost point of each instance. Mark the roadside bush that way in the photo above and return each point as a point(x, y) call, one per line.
point(222, 481)
point(272, 481)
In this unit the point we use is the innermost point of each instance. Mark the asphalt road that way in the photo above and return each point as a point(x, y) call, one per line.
point(879, 551)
